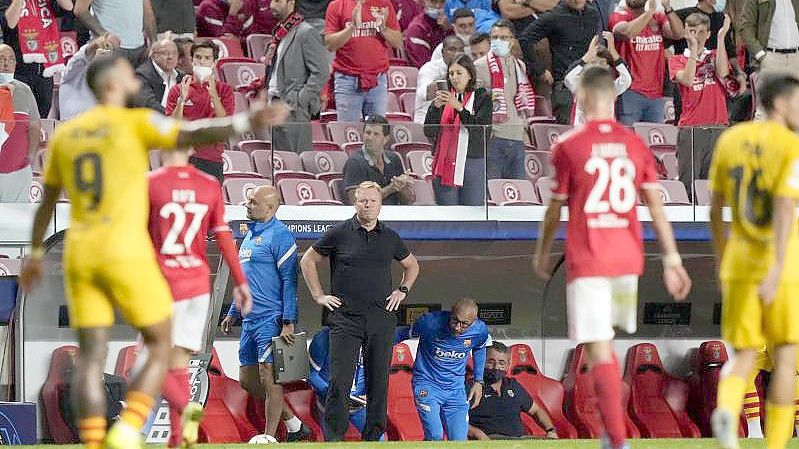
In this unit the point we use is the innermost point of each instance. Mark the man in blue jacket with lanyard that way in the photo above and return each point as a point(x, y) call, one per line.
point(268, 256)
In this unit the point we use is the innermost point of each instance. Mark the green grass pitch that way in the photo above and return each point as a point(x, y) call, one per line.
point(535, 444)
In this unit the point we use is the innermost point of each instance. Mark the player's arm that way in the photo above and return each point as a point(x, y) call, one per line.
point(476, 392)
point(310, 272)
point(674, 275)
point(477, 434)
point(632, 28)
point(546, 236)
point(542, 418)
point(213, 130)
point(287, 271)
point(32, 271)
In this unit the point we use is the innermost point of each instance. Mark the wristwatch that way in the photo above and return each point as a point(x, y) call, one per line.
point(671, 10)
point(404, 289)
point(287, 322)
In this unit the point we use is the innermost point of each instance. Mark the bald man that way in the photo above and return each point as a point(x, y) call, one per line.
point(445, 341)
point(268, 256)
point(158, 74)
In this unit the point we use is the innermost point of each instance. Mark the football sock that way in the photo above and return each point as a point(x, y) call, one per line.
point(92, 431)
point(139, 406)
point(731, 394)
point(607, 384)
point(779, 425)
point(293, 424)
point(752, 412)
point(176, 393)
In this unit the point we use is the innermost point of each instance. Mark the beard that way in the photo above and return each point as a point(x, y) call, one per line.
point(133, 101)
point(635, 4)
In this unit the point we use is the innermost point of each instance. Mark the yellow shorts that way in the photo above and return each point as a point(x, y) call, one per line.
point(747, 324)
point(136, 288)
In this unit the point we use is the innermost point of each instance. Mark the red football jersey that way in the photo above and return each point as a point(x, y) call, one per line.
point(643, 53)
point(600, 168)
point(185, 204)
point(705, 102)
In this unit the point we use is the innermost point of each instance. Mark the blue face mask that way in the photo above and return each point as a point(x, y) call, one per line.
point(500, 48)
point(6, 78)
point(720, 5)
point(432, 13)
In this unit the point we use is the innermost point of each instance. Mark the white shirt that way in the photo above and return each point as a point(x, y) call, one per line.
point(428, 73)
point(273, 90)
point(74, 95)
point(620, 85)
point(170, 79)
point(784, 32)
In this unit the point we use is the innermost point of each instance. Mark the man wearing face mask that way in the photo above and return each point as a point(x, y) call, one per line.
point(514, 100)
point(431, 72)
point(200, 96)
point(498, 415)
point(463, 28)
point(426, 31)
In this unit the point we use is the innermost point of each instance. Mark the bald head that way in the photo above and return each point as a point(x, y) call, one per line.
point(8, 59)
point(466, 305)
point(263, 203)
point(164, 53)
point(463, 314)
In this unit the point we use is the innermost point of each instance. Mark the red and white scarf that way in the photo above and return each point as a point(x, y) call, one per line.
point(40, 37)
point(281, 30)
point(449, 163)
point(525, 95)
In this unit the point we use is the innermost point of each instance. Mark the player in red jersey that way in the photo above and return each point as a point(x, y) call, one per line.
point(601, 168)
point(185, 204)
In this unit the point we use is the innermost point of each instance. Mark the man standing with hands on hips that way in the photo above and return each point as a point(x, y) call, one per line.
point(363, 302)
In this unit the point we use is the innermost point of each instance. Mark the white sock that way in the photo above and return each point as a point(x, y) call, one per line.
point(753, 425)
point(293, 424)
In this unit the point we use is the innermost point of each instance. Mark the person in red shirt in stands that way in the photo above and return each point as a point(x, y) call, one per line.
point(702, 75)
point(199, 96)
point(359, 31)
point(235, 18)
point(641, 30)
point(426, 31)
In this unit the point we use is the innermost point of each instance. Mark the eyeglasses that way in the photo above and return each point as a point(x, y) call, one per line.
point(167, 53)
point(502, 38)
point(458, 323)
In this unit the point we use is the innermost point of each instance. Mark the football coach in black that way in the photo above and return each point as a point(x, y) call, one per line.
point(363, 304)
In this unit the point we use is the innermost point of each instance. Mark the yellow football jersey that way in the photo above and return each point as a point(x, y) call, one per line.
point(101, 158)
point(753, 163)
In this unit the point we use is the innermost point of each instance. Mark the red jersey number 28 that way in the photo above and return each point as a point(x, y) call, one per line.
point(171, 246)
point(616, 177)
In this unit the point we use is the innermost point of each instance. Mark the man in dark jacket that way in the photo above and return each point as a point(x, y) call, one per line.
point(159, 74)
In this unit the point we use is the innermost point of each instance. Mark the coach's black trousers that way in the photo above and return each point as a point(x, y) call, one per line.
point(374, 329)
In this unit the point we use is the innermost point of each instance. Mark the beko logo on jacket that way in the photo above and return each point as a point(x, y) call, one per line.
point(440, 353)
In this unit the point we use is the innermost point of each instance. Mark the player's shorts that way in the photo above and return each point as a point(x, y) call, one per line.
point(596, 305)
point(136, 288)
point(255, 345)
point(188, 322)
point(441, 409)
point(747, 324)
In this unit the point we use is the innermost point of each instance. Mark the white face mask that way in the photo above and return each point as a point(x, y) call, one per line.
point(6, 77)
point(201, 72)
point(465, 38)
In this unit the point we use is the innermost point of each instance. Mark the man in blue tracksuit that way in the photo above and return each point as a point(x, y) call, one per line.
point(318, 357)
point(268, 256)
point(445, 341)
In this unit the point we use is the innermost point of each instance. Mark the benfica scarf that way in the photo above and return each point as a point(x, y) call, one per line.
point(449, 163)
point(39, 36)
point(525, 95)
point(281, 30)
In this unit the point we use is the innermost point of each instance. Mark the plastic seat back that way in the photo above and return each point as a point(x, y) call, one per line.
point(512, 192)
point(645, 375)
point(403, 418)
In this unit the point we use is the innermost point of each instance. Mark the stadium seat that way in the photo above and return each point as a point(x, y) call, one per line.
point(657, 134)
point(420, 163)
point(337, 189)
point(37, 162)
point(669, 113)
point(69, 44)
point(305, 192)
point(513, 192)
point(240, 102)
point(423, 194)
point(546, 134)
point(302, 403)
point(537, 164)
point(398, 117)
point(318, 132)
point(286, 160)
point(62, 362)
point(264, 135)
point(402, 79)
point(403, 419)
point(238, 190)
point(402, 133)
point(670, 166)
point(673, 193)
point(236, 162)
point(648, 408)
point(10, 267)
point(291, 174)
point(48, 126)
point(707, 363)
point(36, 191)
point(257, 44)
point(392, 103)
point(248, 146)
point(225, 419)
point(328, 116)
point(229, 47)
point(262, 162)
point(701, 192)
point(318, 162)
point(408, 102)
point(543, 111)
point(126, 360)
point(544, 188)
point(242, 73)
point(342, 133)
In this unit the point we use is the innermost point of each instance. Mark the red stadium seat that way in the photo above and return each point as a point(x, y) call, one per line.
point(537, 164)
point(670, 166)
point(238, 73)
point(423, 194)
point(657, 134)
point(547, 134)
point(10, 267)
point(286, 160)
point(126, 360)
point(403, 418)
point(318, 132)
point(544, 188)
point(408, 102)
point(546, 392)
point(701, 192)
point(337, 190)
point(325, 145)
point(673, 193)
point(344, 133)
point(69, 43)
point(302, 403)
point(229, 47)
point(648, 407)
point(402, 79)
point(62, 362)
point(318, 162)
point(257, 44)
point(704, 380)
point(238, 190)
point(36, 191)
point(328, 116)
point(248, 146)
point(420, 163)
point(305, 192)
point(513, 192)
point(543, 111)
point(392, 103)
point(401, 117)
point(262, 162)
point(236, 162)
point(264, 135)
point(402, 133)
point(291, 174)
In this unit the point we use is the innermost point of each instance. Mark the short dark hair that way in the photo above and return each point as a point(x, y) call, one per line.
point(466, 62)
point(499, 347)
point(205, 44)
point(479, 37)
point(451, 39)
point(773, 86)
point(504, 23)
point(698, 18)
point(597, 78)
point(97, 70)
point(461, 13)
point(378, 120)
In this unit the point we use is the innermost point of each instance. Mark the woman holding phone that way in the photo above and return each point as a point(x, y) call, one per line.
point(458, 123)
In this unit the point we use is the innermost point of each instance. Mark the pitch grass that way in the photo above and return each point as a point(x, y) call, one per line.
point(533, 444)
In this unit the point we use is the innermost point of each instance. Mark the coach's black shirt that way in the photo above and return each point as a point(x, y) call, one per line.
point(498, 414)
point(360, 263)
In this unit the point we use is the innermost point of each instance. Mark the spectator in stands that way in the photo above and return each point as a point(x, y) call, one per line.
point(463, 27)
point(484, 14)
point(234, 18)
point(497, 417)
point(375, 163)
point(199, 96)
point(74, 95)
point(771, 34)
point(570, 26)
point(314, 13)
point(426, 31)
point(174, 16)
point(18, 149)
point(641, 31)
point(513, 102)
point(522, 13)
point(158, 75)
point(125, 20)
point(359, 31)
point(702, 74)
point(406, 10)
point(598, 55)
point(431, 72)
point(184, 54)
point(297, 70)
point(458, 124)
point(479, 45)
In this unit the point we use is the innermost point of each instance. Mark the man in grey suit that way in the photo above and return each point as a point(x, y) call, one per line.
point(158, 74)
point(296, 71)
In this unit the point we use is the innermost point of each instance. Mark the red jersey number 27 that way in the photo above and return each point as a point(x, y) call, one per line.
point(616, 177)
point(171, 246)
